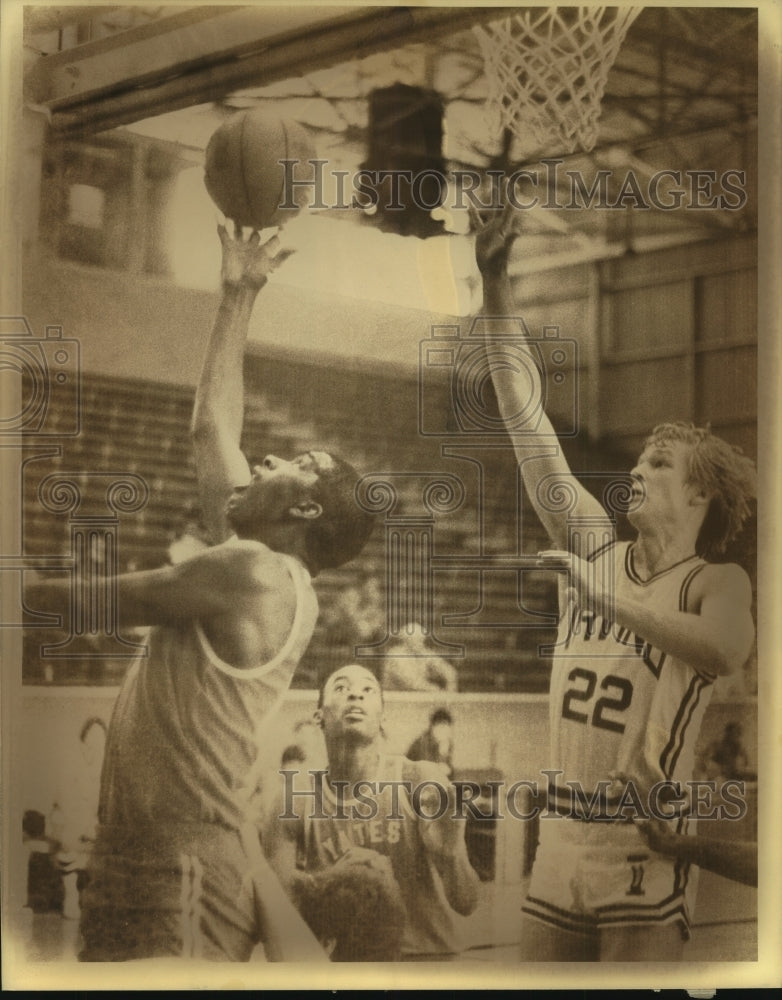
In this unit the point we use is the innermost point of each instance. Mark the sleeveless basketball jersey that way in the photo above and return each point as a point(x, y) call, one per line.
point(186, 729)
point(618, 704)
point(431, 923)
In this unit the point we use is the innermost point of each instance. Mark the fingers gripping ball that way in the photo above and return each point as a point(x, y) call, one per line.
point(244, 175)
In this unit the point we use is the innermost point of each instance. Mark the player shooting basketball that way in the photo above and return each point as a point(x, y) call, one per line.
point(635, 662)
point(169, 876)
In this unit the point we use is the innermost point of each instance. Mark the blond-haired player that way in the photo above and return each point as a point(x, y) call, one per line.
point(646, 628)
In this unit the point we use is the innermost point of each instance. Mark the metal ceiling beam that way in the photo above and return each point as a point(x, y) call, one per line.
point(166, 46)
point(41, 19)
point(203, 53)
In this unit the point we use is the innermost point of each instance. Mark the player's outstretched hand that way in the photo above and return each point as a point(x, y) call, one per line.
point(494, 238)
point(586, 586)
point(246, 261)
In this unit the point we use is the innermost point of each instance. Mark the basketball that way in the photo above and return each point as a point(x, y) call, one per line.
point(243, 173)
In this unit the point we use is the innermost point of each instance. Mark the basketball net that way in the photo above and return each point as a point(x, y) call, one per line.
point(547, 70)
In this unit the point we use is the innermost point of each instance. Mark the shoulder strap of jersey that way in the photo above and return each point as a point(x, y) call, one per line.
point(685, 587)
point(304, 598)
point(601, 550)
point(684, 593)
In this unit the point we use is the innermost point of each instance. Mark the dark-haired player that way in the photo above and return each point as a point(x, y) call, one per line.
point(646, 628)
point(170, 875)
point(371, 812)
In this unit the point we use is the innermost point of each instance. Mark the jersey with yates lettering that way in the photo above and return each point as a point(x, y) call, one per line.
point(618, 704)
point(431, 925)
point(185, 734)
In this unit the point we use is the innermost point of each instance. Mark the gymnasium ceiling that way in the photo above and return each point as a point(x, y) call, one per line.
point(682, 95)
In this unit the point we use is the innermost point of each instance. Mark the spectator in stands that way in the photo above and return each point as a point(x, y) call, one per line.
point(177, 841)
point(411, 664)
point(308, 737)
point(191, 538)
point(727, 757)
point(356, 615)
point(436, 742)
point(45, 892)
point(79, 812)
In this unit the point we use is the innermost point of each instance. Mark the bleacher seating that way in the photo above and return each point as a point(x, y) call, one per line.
point(372, 419)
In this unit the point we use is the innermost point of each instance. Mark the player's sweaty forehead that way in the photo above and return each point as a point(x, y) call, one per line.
point(354, 676)
point(671, 452)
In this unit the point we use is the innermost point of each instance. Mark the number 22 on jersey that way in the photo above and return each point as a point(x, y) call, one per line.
point(614, 695)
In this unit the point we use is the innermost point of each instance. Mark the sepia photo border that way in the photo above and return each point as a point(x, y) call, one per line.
point(767, 971)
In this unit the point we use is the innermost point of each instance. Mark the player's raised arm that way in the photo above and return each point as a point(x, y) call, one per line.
point(443, 838)
point(544, 464)
point(218, 413)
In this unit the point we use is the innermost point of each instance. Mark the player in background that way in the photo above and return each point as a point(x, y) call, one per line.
point(645, 629)
point(169, 873)
point(435, 743)
point(364, 821)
